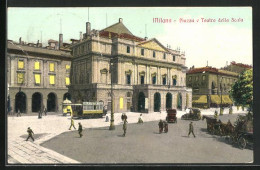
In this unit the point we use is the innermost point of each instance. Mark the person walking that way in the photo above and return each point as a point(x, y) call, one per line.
point(72, 123)
point(40, 114)
point(80, 130)
point(45, 111)
point(124, 127)
point(160, 124)
point(30, 134)
point(19, 113)
point(191, 130)
point(165, 126)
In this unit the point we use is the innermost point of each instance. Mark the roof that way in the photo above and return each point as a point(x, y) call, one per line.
point(240, 64)
point(155, 40)
point(26, 48)
point(108, 34)
point(118, 28)
point(211, 70)
point(52, 41)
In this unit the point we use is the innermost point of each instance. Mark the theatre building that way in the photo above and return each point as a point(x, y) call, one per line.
point(37, 76)
point(146, 76)
point(209, 85)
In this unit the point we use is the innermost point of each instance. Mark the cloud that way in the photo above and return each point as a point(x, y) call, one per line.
point(204, 42)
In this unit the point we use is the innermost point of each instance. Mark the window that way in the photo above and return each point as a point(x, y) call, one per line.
point(37, 79)
point(164, 56)
point(173, 58)
point(128, 49)
point(121, 102)
point(20, 78)
point(67, 81)
point(52, 67)
point(154, 54)
point(52, 79)
point(67, 68)
point(142, 51)
point(36, 65)
point(197, 78)
point(128, 79)
point(154, 79)
point(190, 78)
point(164, 80)
point(20, 64)
point(174, 81)
point(142, 79)
point(203, 77)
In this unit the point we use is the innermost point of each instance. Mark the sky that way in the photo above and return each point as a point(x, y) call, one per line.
point(212, 42)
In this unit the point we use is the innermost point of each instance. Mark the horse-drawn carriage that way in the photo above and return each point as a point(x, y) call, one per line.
point(194, 114)
point(171, 116)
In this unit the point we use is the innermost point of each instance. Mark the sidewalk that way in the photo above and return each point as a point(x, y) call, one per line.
point(21, 151)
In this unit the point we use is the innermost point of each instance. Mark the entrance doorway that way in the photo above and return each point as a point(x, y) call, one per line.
point(141, 102)
point(168, 101)
point(157, 102)
point(36, 102)
point(20, 102)
point(51, 103)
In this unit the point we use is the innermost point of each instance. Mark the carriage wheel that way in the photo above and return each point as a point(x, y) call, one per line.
point(241, 143)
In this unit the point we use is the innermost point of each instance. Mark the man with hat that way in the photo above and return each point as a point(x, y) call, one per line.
point(160, 124)
point(124, 126)
point(30, 134)
point(191, 130)
point(72, 123)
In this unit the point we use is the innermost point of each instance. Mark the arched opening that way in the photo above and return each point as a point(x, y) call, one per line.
point(213, 86)
point(157, 102)
point(141, 102)
point(179, 102)
point(67, 96)
point(20, 102)
point(36, 102)
point(51, 102)
point(168, 101)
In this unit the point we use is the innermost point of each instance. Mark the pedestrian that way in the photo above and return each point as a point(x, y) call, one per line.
point(107, 119)
point(160, 124)
point(124, 127)
point(80, 130)
point(39, 114)
point(122, 117)
point(30, 134)
point(72, 123)
point(165, 126)
point(140, 120)
point(191, 130)
point(230, 110)
point(216, 114)
point(45, 111)
point(19, 113)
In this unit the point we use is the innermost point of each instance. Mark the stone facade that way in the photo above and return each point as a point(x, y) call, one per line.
point(138, 65)
point(34, 89)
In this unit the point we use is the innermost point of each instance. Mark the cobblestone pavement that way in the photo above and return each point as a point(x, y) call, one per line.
point(28, 152)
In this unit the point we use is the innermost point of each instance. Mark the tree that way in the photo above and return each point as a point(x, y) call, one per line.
point(242, 90)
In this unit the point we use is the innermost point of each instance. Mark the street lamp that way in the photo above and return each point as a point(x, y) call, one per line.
point(112, 126)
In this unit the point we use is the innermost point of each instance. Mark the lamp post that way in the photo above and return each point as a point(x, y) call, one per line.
point(112, 126)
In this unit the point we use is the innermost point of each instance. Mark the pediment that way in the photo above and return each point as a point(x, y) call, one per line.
point(153, 45)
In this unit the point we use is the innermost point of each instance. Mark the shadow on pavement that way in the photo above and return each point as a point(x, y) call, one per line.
point(99, 128)
point(185, 136)
point(120, 135)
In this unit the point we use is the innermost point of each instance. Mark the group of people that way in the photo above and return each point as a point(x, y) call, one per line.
point(163, 126)
point(42, 110)
point(80, 129)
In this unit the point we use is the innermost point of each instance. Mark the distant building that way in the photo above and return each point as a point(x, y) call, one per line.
point(237, 67)
point(209, 84)
point(37, 76)
point(146, 76)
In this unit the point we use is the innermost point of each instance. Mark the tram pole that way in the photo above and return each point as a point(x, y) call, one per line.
point(112, 126)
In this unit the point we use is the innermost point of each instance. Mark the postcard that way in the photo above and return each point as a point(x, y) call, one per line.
point(129, 85)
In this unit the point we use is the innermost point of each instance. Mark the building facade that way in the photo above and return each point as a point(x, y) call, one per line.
point(37, 77)
point(146, 76)
point(209, 84)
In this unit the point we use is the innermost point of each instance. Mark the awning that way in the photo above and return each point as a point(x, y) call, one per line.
point(215, 99)
point(202, 99)
point(226, 99)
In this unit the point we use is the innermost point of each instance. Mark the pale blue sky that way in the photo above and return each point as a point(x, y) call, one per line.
point(216, 42)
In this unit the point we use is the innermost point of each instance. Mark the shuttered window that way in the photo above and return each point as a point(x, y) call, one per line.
point(20, 64)
point(52, 79)
point(51, 66)
point(121, 102)
point(20, 78)
point(37, 78)
point(67, 81)
point(37, 65)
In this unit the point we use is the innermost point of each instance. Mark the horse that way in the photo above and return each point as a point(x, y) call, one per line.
point(210, 122)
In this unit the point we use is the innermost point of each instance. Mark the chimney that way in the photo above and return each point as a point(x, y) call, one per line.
point(80, 36)
point(20, 40)
point(60, 40)
point(120, 20)
point(88, 28)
